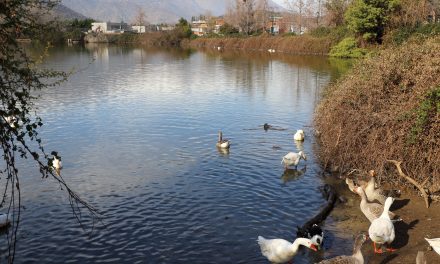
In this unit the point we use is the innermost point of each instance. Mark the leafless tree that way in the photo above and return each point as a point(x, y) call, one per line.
point(140, 18)
point(262, 13)
point(246, 14)
point(335, 10)
point(297, 8)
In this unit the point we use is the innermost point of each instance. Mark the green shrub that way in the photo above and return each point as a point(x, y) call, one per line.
point(402, 34)
point(347, 48)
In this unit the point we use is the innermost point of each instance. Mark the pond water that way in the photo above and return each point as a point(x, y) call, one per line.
point(136, 129)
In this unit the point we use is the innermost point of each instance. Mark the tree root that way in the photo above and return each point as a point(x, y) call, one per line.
point(411, 180)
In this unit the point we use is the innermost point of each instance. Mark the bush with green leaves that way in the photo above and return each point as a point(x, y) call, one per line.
point(368, 18)
point(347, 48)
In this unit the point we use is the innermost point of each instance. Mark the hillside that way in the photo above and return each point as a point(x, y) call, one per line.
point(157, 11)
point(64, 13)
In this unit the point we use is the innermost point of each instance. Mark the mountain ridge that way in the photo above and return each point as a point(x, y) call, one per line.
point(156, 11)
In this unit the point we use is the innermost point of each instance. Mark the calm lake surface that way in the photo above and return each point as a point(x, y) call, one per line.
point(136, 129)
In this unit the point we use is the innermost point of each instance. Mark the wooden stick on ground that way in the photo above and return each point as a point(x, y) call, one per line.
point(411, 180)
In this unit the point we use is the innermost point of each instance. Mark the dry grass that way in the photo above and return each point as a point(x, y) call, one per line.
point(286, 44)
point(388, 107)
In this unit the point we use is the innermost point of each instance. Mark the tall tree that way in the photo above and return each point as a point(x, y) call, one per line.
point(141, 18)
point(368, 18)
point(246, 14)
point(19, 124)
point(298, 9)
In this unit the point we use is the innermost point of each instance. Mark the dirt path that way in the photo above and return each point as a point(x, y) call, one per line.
point(418, 222)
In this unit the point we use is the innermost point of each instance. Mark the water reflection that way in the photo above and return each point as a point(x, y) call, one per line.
point(292, 174)
point(223, 151)
point(149, 119)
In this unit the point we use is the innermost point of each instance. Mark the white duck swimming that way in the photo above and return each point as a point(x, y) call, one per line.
point(356, 258)
point(279, 250)
point(434, 243)
point(4, 220)
point(222, 143)
point(381, 230)
point(292, 159)
point(299, 135)
point(56, 162)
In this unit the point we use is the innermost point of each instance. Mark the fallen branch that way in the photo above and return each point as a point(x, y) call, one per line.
point(411, 180)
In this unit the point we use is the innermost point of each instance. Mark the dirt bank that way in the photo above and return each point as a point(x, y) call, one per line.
point(280, 44)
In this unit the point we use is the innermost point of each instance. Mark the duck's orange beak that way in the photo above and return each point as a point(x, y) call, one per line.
point(312, 246)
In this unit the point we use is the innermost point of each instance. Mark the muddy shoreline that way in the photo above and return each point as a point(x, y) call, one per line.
point(346, 220)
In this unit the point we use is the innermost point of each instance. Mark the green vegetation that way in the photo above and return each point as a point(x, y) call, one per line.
point(424, 115)
point(368, 18)
point(347, 48)
point(228, 30)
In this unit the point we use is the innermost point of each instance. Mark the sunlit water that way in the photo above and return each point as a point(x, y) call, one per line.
point(137, 128)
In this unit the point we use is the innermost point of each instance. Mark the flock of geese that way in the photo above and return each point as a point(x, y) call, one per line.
point(375, 205)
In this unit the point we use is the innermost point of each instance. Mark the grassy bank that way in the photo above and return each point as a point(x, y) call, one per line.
point(387, 107)
point(283, 44)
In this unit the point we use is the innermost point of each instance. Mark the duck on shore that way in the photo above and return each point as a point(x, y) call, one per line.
point(434, 243)
point(371, 210)
point(381, 230)
point(280, 251)
point(356, 258)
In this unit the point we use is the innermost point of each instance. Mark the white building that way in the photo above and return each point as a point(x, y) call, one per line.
point(110, 27)
point(138, 29)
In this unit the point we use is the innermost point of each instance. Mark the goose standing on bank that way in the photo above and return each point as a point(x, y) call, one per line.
point(372, 192)
point(434, 243)
point(356, 258)
point(299, 135)
point(292, 159)
point(279, 250)
point(381, 230)
point(221, 142)
point(371, 210)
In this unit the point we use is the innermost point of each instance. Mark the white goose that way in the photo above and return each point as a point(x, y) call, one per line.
point(222, 143)
point(292, 159)
point(381, 230)
point(356, 258)
point(434, 243)
point(279, 250)
point(299, 135)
